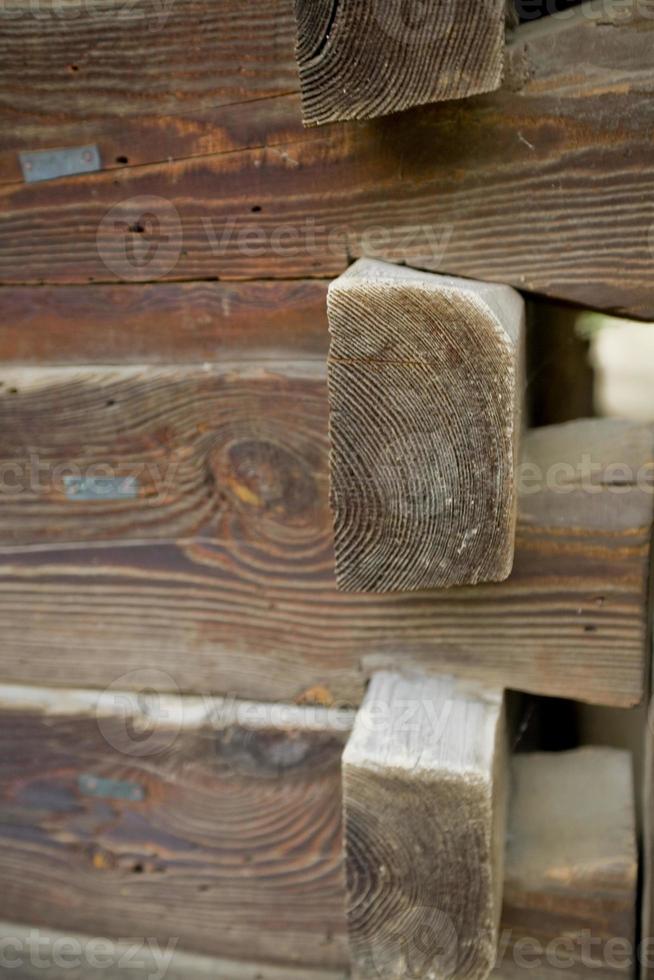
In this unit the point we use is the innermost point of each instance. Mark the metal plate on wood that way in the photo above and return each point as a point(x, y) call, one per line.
point(115, 789)
point(101, 487)
point(48, 164)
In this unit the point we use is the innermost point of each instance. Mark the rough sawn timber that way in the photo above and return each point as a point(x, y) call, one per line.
point(543, 185)
point(571, 869)
point(425, 389)
point(359, 59)
point(223, 814)
point(227, 546)
point(424, 801)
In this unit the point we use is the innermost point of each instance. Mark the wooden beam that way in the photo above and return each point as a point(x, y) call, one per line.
point(424, 787)
point(187, 104)
point(211, 823)
point(358, 60)
point(647, 911)
point(426, 386)
point(232, 843)
point(571, 872)
point(47, 954)
point(225, 542)
point(504, 203)
point(164, 323)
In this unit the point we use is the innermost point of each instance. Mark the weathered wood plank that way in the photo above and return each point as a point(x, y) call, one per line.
point(545, 192)
point(140, 453)
point(223, 543)
point(426, 378)
point(358, 60)
point(163, 323)
point(647, 910)
point(68, 78)
point(424, 802)
point(53, 955)
point(232, 843)
point(571, 872)
point(166, 825)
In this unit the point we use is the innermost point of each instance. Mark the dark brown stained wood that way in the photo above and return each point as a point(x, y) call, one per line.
point(360, 59)
point(542, 185)
point(220, 570)
point(160, 451)
point(424, 793)
point(163, 323)
point(571, 871)
point(151, 80)
point(224, 837)
point(425, 388)
point(225, 834)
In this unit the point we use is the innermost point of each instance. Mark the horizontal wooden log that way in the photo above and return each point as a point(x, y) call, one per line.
point(426, 379)
point(53, 955)
point(571, 868)
point(360, 60)
point(197, 62)
point(424, 803)
point(555, 165)
point(174, 822)
point(176, 516)
point(163, 323)
point(218, 825)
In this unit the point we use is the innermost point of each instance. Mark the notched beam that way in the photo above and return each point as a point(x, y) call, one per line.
point(425, 384)
point(423, 796)
point(364, 58)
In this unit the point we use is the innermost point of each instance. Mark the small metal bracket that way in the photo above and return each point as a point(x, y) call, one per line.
point(48, 164)
point(101, 487)
point(112, 789)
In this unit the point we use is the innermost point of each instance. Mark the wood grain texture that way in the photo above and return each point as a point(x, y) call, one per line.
point(108, 959)
point(358, 60)
point(647, 907)
point(540, 185)
point(221, 569)
point(236, 825)
point(425, 388)
point(163, 323)
point(146, 80)
point(227, 839)
point(570, 887)
point(424, 787)
point(183, 437)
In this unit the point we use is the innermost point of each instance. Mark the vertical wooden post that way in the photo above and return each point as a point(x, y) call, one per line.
point(425, 388)
point(424, 787)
